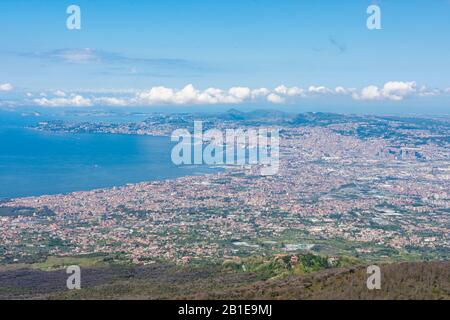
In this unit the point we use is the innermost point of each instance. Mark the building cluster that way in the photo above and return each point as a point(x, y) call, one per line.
point(334, 193)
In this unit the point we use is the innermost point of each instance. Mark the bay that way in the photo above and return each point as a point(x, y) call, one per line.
point(34, 163)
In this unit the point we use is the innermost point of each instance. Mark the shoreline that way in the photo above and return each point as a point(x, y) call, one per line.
point(157, 169)
point(219, 170)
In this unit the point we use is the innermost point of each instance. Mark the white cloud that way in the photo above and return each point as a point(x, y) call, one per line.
point(274, 98)
point(319, 90)
point(281, 89)
point(241, 93)
point(157, 95)
point(6, 87)
point(392, 90)
point(344, 91)
point(295, 91)
point(426, 92)
point(73, 101)
point(396, 90)
point(59, 93)
point(261, 92)
point(291, 92)
point(216, 96)
point(189, 95)
point(368, 93)
point(111, 101)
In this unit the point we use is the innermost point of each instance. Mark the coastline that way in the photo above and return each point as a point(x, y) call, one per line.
point(34, 163)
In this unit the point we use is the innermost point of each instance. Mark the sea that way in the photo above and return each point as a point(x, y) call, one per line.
point(34, 163)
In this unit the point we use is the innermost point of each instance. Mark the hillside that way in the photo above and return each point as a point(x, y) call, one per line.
point(410, 280)
point(311, 278)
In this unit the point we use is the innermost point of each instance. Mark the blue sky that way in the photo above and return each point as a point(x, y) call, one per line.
point(272, 52)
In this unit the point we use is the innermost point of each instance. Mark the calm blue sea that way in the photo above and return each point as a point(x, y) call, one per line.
point(37, 163)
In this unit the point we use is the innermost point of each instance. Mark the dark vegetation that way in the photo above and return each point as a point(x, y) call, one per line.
point(408, 280)
point(25, 211)
point(281, 277)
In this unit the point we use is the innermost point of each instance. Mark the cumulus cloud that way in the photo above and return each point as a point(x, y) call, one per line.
point(426, 92)
point(6, 87)
point(234, 95)
point(261, 92)
point(396, 90)
point(368, 93)
point(295, 91)
point(281, 89)
point(291, 92)
point(157, 95)
point(111, 101)
point(189, 95)
point(344, 91)
point(240, 93)
point(73, 101)
point(163, 95)
point(320, 90)
point(60, 93)
point(392, 90)
point(274, 98)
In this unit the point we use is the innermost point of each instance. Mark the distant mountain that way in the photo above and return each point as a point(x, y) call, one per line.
point(320, 118)
point(232, 115)
point(256, 116)
point(282, 118)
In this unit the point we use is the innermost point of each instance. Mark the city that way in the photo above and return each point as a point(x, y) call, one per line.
point(336, 194)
